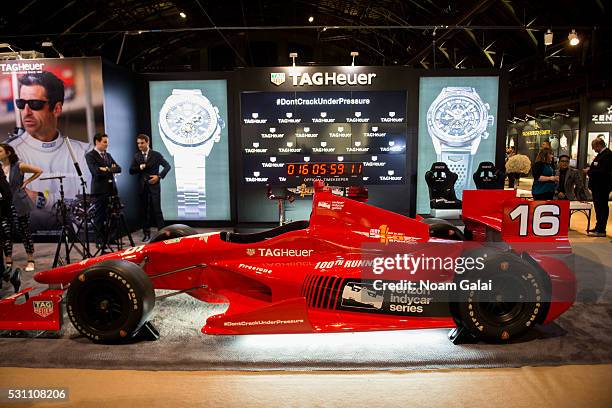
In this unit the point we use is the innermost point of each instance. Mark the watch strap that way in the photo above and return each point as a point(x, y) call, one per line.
point(190, 172)
point(460, 162)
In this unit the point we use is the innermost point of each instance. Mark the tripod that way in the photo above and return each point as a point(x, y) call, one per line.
point(113, 227)
point(67, 234)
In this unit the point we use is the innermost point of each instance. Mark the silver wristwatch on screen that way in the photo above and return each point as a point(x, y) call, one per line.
point(457, 121)
point(189, 126)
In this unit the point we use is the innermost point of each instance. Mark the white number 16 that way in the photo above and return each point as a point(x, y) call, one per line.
point(545, 219)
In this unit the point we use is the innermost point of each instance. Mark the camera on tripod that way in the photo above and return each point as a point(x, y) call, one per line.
point(114, 205)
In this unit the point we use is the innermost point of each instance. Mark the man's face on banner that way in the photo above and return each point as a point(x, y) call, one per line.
point(38, 122)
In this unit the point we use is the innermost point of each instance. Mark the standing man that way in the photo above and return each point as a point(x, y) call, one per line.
point(103, 169)
point(600, 183)
point(146, 165)
point(40, 102)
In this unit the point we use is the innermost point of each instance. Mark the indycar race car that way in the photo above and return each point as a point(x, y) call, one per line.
point(338, 271)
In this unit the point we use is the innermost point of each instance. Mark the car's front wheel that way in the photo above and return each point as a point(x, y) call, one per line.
point(110, 301)
point(516, 300)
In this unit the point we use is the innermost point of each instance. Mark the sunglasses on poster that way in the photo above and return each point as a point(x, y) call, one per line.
point(34, 104)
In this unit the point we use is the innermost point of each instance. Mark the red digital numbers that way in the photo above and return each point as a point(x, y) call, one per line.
point(324, 169)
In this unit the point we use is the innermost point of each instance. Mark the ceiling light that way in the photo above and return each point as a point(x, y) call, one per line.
point(310, 19)
point(548, 37)
point(573, 38)
point(293, 56)
point(49, 44)
point(183, 15)
point(354, 54)
point(7, 45)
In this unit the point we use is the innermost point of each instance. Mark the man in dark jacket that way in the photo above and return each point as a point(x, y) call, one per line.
point(146, 164)
point(103, 169)
point(570, 186)
point(600, 183)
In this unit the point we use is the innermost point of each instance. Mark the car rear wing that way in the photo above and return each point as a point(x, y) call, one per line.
point(497, 215)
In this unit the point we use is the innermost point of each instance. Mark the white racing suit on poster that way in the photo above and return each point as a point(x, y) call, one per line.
point(55, 160)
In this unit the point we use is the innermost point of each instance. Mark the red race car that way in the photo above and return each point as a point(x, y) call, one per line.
point(351, 267)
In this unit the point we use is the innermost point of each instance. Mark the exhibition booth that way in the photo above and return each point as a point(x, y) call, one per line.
point(362, 171)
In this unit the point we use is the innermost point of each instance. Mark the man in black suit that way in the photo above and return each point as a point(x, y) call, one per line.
point(600, 183)
point(146, 165)
point(103, 169)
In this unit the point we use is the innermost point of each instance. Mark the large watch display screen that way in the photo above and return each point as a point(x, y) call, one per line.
point(188, 127)
point(457, 126)
point(343, 137)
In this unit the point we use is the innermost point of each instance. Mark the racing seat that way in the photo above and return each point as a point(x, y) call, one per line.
point(441, 183)
point(488, 177)
point(249, 238)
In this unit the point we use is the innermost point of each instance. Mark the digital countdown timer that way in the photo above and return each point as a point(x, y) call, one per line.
point(338, 169)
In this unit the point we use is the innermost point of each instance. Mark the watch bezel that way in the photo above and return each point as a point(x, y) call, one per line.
point(451, 140)
point(173, 100)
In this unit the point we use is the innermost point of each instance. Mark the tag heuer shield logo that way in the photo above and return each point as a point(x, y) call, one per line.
point(43, 308)
point(277, 78)
point(250, 251)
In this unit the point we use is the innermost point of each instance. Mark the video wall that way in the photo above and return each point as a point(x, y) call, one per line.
point(189, 128)
point(344, 137)
point(457, 125)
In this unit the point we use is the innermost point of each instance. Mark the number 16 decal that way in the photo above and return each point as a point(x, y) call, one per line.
point(544, 219)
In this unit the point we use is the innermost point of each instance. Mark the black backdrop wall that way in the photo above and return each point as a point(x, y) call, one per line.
point(122, 124)
point(127, 113)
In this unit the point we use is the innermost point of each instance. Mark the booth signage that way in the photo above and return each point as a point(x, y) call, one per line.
point(603, 118)
point(541, 132)
point(323, 78)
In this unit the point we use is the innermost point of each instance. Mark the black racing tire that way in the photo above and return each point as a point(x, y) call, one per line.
point(519, 298)
point(173, 231)
point(439, 228)
point(110, 301)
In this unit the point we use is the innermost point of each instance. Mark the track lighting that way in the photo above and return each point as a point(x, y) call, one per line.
point(548, 37)
point(49, 44)
point(573, 38)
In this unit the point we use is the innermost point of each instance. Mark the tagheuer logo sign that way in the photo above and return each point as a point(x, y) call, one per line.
point(323, 78)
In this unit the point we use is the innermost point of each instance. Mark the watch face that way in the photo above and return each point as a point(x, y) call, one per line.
point(187, 122)
point(457, 118)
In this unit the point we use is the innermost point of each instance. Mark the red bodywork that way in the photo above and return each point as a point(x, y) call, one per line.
point(309, 279)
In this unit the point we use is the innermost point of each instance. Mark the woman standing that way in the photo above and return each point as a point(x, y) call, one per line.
point(14, 171)
point(544, 179)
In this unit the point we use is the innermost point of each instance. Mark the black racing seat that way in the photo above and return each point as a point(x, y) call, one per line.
point(441, 183)
point(249, 238)
point(488, 177)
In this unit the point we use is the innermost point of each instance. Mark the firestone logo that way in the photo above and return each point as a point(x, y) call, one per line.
point(277, 78)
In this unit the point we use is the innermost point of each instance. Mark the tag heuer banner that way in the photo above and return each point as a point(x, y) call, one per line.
point(72, 110)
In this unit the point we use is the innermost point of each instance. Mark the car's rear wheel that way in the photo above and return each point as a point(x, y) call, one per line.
point(110, 301)
point(517, 300)
point(173, 231)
